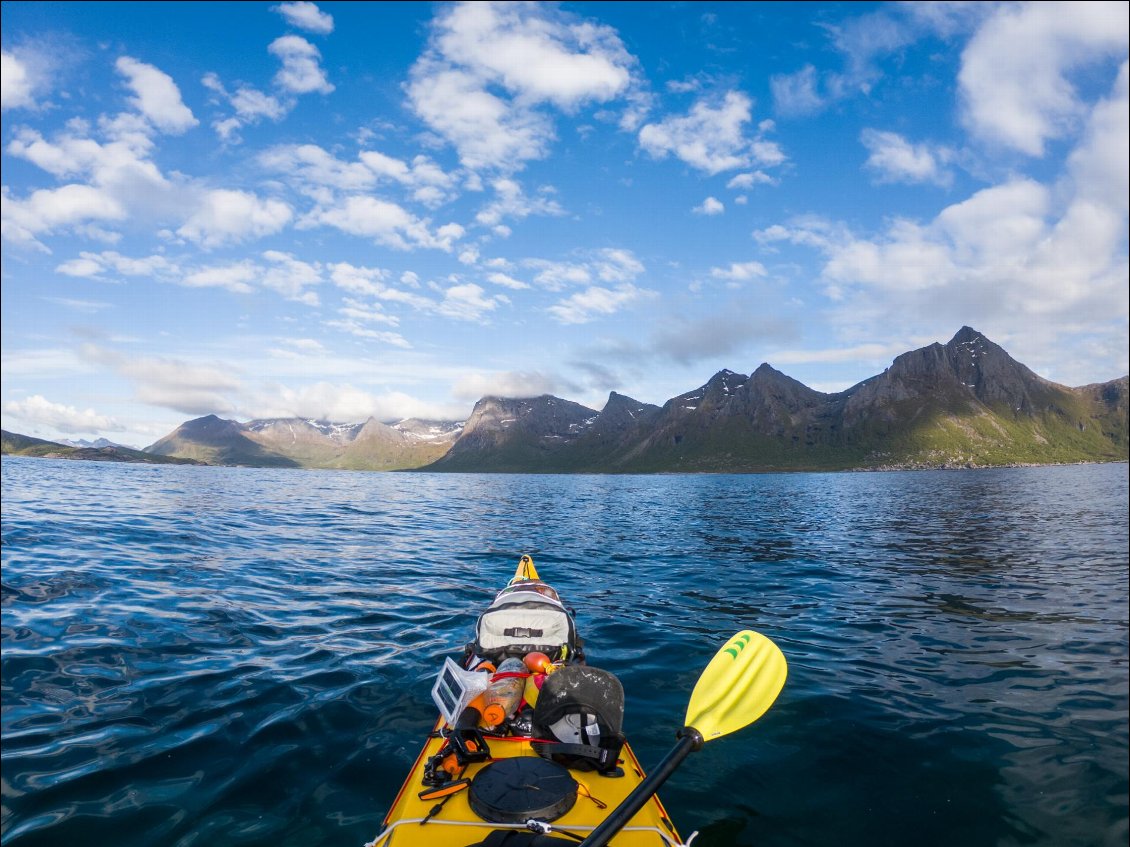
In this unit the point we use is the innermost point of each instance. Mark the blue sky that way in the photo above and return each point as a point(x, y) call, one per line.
point(345, 210)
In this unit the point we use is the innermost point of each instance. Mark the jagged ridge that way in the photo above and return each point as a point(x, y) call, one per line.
point(963, 403)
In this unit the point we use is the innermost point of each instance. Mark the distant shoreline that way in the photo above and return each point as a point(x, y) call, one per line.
point(736, 472)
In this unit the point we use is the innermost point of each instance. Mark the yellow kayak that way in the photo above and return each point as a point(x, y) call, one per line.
point(527, 749)
point(458, 824)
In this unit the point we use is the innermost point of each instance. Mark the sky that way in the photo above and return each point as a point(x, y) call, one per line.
point(339, 211)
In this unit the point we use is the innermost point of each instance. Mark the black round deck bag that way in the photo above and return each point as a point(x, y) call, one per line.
point(515, 790)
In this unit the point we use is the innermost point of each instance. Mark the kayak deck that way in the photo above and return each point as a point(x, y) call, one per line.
point(457, 825)
point(451, 822)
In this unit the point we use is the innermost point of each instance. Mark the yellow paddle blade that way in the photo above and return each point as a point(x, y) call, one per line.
point(526, 569)
point(738, 686)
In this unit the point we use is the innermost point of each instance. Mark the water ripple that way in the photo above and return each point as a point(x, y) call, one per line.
point(207, 655)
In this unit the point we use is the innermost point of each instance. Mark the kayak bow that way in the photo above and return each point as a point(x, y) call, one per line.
point(507, 785)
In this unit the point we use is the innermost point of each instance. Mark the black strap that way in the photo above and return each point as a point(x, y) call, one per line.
point(604, 757)
point(522, 632)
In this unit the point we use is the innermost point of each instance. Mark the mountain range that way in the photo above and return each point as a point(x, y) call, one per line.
point(14, 444)
point(298, 443)
point(966, 403)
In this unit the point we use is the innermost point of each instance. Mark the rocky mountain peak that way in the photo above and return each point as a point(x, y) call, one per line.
point(767, 380)
point(622, 410)
point(374, 430)
point(726, 382)
point(539, 416)
point(209, 427)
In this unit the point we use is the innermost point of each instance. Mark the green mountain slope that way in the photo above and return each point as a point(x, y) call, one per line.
point(297, 443)
point(964, 403)
point(217, 442)
point(14, 444)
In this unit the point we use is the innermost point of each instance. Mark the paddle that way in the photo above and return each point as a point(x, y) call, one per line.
point(738, 686)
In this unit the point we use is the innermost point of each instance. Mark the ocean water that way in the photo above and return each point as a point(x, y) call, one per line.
point(221, 656)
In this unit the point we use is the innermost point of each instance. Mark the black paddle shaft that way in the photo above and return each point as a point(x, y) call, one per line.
point(690, 740)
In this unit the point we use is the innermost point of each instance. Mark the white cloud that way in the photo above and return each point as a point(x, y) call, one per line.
point(291, 277)
point(506, 281)
point(596, 301)
point(474, 386)
point(42, 364)
point(250, 104)
point(311, 165)
point(894, 159)
point(280, 272)
point(711, 137)
point(224, 216)
point(386, 223)
point(356, 310)
point(561, 62)
point(47, 210)
point(339, 402)
point(511, 202)
point(1017, 260)
point(188, 387)
point(369, 282)
point(740, 271)
point(1099, 166)
point(305, 15)
point(1014, 74)
point(427, 181)
point(355, 327)
point(796, 93)
point(124, 183)
point(684, 86)
point(490, 67)
point(610, 264)
point(749, 180)
point(16, 86)
point(710, 206)
point(120, 165)
point(88, 265)
point(468, 302)
point(303, 346)
point(555, 276)
point(613, 264)
point(156, 96)
point(96, 264)
point(486, 130)
point(301, 71)
point(236, 277)
point(38, 410)
point(372, 282)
